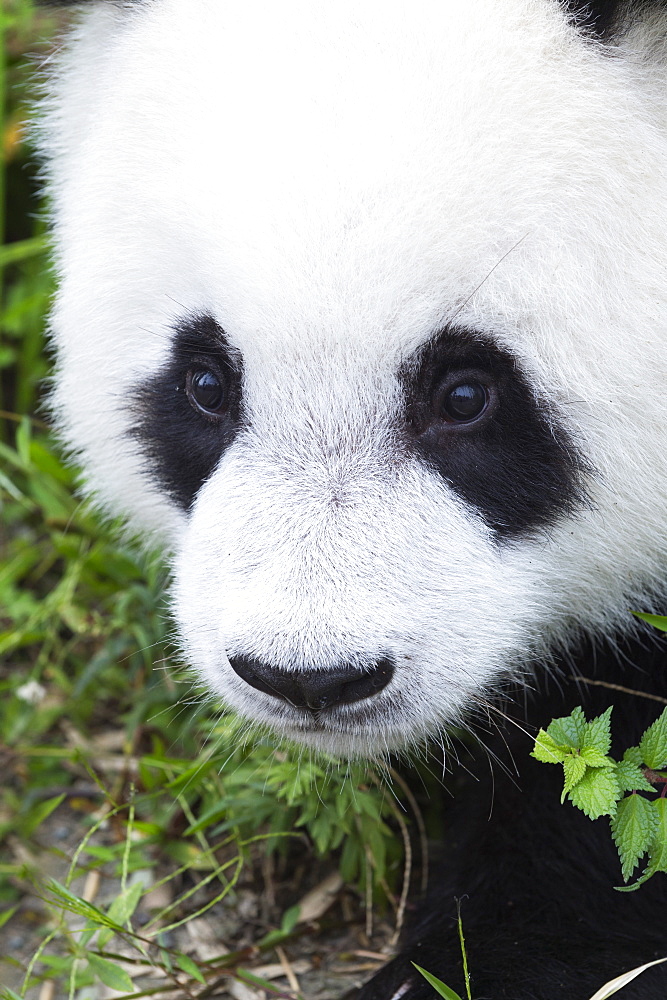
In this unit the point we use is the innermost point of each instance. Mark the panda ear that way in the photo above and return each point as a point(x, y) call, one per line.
point(604, 18)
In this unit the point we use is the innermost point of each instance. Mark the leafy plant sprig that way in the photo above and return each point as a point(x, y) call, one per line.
point(597, 784)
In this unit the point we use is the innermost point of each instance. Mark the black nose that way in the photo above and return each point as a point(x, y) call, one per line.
point(315, 689)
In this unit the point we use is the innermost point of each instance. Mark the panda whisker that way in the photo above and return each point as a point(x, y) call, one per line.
point(486, 277)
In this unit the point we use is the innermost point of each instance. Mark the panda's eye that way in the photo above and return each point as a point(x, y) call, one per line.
point(462, 402)
point(207, 391)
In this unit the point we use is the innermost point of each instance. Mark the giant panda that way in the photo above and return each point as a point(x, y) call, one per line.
point(362, 317)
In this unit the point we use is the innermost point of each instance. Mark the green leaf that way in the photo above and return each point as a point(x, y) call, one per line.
point(596, 793)
point(351, 860)
point(125, 904)
point(7, 915)
point(74, 904)
point(104, 935)
point(368, 804)
point(8, 994)
point(437, 984)
point(593, 757)
point(248, 977)
point(23, 438)
point(39, 813)
point(657, 850)
point(631, 777)
point(575, 769)
point(547, 751)
point(659, 845)
point(633, 829)
point(290, 919)
point(570, 730)
point(653, 743)
point(111, 974)
point(22, 250)
point(187, 965)
point(634, 755)
point(659, 621)
point(598, 733)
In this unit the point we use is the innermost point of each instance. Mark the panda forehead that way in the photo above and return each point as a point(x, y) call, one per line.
point(339, 86)
point(312, 122)
point(282, 167)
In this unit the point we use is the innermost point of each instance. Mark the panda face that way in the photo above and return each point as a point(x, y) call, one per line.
point(345, 555)
point(362, 313)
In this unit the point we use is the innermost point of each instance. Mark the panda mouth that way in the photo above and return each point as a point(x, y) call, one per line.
point(351, 732)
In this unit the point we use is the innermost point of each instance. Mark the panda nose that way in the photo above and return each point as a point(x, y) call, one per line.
point(315, 689)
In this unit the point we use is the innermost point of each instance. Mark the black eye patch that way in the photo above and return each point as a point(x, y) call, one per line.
point(472, 416)
point(189, 412)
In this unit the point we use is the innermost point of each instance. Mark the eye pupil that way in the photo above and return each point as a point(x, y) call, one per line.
point(207, 390)
point(466, 401)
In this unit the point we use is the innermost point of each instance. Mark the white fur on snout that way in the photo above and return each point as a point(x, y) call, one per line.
point(302, 570)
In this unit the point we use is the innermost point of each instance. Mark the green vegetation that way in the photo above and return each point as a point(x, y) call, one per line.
point(596, 784)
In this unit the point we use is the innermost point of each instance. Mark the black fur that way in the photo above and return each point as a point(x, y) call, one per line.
point(541, 917)
point(603, 17)
point(517, 468)
point(184, 446)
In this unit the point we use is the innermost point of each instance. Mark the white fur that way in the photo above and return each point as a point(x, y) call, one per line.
point(334, 183)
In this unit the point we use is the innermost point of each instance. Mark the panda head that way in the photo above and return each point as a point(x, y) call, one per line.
point(362, 314)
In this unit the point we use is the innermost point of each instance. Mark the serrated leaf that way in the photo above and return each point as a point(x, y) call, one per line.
point(658, 861)
point(593, 757)
point(570, 730)
point(659, 621)
point(547, 751)
point(575, 769)
point(617, 984)
point(653, 744)
point(633, 829)
point(125, 904)
point(634, 755)
point(187, 965)
point(111, 974)
point(437, 984)
point(596, 793)
point(598, 733)
point(631, 777)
